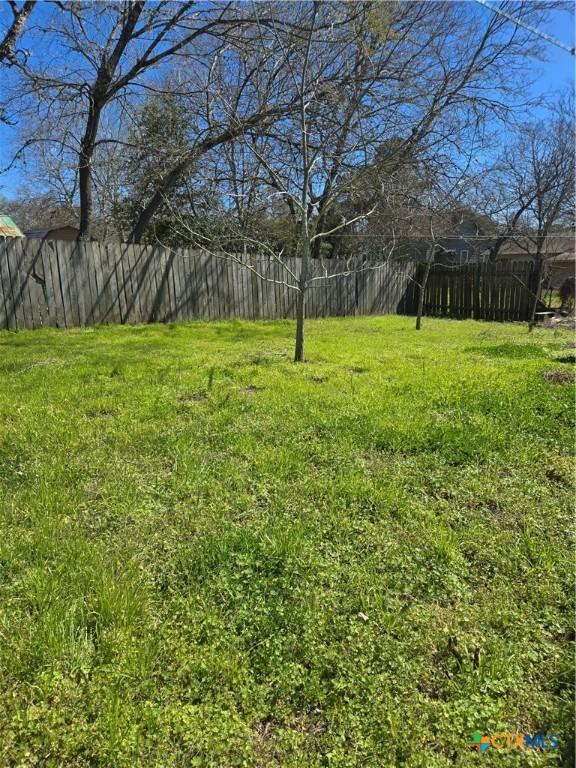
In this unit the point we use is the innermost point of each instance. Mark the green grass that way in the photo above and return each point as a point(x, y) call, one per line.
point(191, 524)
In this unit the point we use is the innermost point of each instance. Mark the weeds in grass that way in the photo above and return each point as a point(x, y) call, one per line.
point(184, 569)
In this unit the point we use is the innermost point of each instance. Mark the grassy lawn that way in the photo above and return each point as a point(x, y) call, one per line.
point(191, 525)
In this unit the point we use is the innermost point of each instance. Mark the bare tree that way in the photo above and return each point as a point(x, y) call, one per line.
point(531, 190)
point(415, 68)
point(399, 72)
point(307, 58)
point(248, 88)
point(32, 211)
point(423, 81)
point(112, 53)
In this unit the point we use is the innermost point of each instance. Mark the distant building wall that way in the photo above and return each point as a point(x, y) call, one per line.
point(65, 232)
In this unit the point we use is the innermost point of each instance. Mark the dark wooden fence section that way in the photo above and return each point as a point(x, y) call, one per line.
point(64, 284)
point(494, 291)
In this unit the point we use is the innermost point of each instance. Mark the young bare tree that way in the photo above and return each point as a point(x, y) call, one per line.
point(314, 58)
point(385, 72)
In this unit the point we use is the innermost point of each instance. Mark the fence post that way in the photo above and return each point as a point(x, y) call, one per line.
point(476, 291)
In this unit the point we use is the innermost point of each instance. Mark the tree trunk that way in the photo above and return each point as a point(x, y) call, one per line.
point(85, 188)
point(157, 199)
point(86, 156)
point(422, 292)
point(300, 313)
point(301, 303)
point(537, 291)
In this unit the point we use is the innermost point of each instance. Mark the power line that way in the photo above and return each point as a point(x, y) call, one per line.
point(534, 30)
point(464, 238)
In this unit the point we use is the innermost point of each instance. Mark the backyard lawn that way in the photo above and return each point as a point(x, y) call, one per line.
point(211, 556)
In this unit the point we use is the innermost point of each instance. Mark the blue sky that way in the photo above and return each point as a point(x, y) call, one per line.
point(558, 71)
point(556, 74)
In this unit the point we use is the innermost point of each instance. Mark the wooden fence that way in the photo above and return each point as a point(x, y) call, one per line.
point(493, 291)
point(68, 284)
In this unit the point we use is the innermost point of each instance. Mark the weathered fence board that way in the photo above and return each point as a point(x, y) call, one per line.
point(67, 284)
point(490, 291)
